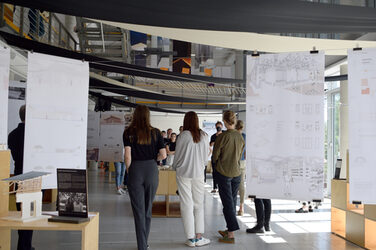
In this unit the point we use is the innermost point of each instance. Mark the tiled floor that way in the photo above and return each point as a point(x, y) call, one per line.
point(289, 230)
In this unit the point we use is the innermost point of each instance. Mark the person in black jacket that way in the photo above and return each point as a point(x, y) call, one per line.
point(16, 140)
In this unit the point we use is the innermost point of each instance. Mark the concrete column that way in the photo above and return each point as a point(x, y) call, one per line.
point(344, 121)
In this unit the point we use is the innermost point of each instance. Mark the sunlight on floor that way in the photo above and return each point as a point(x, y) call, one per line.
point(271, 239)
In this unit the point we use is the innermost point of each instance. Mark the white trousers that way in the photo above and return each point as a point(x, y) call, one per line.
point(191, 194)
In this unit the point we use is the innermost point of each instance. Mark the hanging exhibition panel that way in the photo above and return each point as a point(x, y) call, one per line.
point(56, 115)
point(285, 126)
point(4, 86)
point(362, 125)
point(112, 127)
point(93, 140)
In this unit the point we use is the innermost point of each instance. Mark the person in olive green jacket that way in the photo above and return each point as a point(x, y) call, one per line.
point(227, 152)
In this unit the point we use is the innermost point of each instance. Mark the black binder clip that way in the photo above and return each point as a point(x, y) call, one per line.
point(255, 53)
point(314, 51)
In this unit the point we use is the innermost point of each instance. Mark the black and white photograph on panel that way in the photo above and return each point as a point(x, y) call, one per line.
point(72, 202)
point(72, 192)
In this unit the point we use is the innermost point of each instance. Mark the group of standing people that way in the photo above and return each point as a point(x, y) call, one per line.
point(145, 145)
point(169, 139)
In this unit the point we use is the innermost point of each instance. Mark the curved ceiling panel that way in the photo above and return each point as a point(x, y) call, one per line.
point(264, 16)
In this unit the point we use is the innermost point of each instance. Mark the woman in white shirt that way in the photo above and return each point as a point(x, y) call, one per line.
point(191, 156)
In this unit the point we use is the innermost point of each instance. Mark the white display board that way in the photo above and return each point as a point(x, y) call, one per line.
point(56, 115)
point(285, 126)
point(113, 124)
point(4, 87)
point(362, 125)
point(93, 139)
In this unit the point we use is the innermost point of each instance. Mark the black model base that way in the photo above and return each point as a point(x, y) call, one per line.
point(67, 219)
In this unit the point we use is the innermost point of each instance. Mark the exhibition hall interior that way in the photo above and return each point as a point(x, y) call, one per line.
point(176, 125)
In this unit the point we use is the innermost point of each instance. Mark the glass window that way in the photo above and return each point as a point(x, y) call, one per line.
point(332, 136)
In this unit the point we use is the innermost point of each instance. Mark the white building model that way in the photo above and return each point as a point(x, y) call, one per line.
point(28, 190)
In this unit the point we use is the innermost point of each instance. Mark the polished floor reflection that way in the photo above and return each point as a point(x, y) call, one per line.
point(289, 230)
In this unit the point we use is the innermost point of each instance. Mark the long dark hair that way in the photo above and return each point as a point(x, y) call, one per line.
point(191, 124)
point(140, 126)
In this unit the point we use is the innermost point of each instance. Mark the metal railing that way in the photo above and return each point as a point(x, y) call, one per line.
point(35, 25)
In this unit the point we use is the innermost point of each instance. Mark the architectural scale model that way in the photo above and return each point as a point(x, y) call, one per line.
point(28, 190)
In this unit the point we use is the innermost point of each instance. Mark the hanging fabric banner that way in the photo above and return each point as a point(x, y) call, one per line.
point(56, 115)
point(4, 89)
point(362, 125)
point(285, 126)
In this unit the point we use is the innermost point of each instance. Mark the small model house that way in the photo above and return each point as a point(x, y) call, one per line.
point(28, 190)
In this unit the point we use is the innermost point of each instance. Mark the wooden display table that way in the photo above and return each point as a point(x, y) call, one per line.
point(89, 230)
point(167, 187)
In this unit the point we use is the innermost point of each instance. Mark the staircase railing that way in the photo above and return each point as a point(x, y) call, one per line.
point(36, 25)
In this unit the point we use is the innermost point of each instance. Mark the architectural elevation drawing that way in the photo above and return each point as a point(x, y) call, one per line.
point(362, 125)
point(112, 127)
point(285, 126)
point(56, 115)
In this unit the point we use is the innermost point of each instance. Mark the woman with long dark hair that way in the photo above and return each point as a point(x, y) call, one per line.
point(143, 146)
point(191, 156)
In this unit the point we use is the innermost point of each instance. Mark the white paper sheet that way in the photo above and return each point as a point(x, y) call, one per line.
point(285, 126)
point(93, 139)
point(362, 125)
point(56, 115)
point(4, 88)
point(113, 124)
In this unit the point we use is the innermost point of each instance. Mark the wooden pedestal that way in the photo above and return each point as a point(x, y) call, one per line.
point(167, 187)
point(4, 196)
point(339, 222)
point(355, 223)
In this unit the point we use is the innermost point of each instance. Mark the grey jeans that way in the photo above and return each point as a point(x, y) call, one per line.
point(142, 186)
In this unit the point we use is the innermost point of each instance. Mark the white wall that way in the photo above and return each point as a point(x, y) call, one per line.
point(164, 121)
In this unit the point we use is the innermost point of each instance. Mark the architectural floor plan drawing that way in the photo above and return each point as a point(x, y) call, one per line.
point(285, 126)
point(362, 124)
point(56, 115)
point(4, 88)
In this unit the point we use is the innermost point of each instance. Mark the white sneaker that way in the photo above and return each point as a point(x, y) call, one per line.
point(202, 242)
point(123, 191)
point(191, 243)
point(120, 192)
